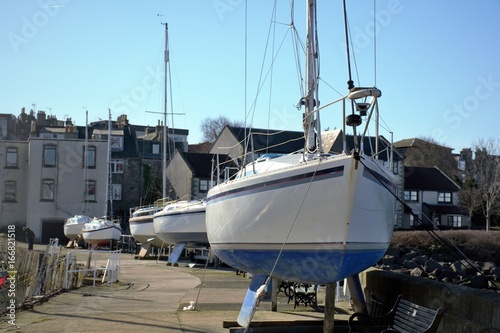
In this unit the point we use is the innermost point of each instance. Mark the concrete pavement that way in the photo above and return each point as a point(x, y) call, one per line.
point(150, 297)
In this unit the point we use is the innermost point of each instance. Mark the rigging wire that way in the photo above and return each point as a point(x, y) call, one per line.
point(245, 80)
point(375, 42)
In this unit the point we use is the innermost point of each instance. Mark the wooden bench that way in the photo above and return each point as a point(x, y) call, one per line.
point(404, 316)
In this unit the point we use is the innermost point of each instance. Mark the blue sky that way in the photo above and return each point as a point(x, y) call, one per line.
point(437, 62)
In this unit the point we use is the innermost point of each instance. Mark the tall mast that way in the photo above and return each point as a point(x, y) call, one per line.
point(164, 168)
point(109, 194)
point(310, 101)
point(85, 161)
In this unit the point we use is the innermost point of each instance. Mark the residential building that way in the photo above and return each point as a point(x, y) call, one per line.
point(232, 141)
point(190, 174)
point(432, 197)
point(43, 183)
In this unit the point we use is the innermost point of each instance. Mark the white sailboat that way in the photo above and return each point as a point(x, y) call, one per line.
point(141, 225)
point(104, 231)
point(181, 222)
point(73, 226)
point(309, 216)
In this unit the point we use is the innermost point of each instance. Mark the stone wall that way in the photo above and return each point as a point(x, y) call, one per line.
point(466, 310)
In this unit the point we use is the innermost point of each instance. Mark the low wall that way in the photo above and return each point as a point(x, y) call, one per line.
point(466, 310)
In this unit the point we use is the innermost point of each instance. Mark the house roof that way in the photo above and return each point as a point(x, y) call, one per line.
point(413, 142)
point(332, 143)
point(428, 179)
point(278, 141)
point(446, 209)
point(201, 164)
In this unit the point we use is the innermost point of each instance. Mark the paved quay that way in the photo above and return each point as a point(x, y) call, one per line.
point(150, 297)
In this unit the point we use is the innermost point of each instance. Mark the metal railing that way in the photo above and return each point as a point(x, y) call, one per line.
point(95, 258)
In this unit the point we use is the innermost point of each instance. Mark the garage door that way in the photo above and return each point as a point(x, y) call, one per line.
point(53, 229)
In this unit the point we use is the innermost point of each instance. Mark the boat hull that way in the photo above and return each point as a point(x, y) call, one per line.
point(102, 234)
point(143, 231)
point(74, 225)
point(326, 219)
point(182, 225)
point(141, 228)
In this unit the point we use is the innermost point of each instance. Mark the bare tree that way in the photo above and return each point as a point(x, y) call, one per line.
point(211, 127)
point(469, 196)
point(427, 152)
point(485, 172)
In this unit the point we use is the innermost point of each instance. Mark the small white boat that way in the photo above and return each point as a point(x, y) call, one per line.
point(101, 231)
point(182, 222)
point(141, 225)
point(74, 225)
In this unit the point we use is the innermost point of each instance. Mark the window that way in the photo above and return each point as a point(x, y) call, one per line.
point(11, 157)
point(412, 220)
point(455, 221)
point(49, 156)
point(10, 191)
point(156, 148)
point(395, 168)
point(48, 187)
point(90, 193)
point(115, 192)
point(444, 197)
point(204, 185)
point(117, 166)
point(91, 157)
point(411, 196)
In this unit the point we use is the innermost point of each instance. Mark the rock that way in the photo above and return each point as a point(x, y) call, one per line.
point(417, 271)
point(495, 272)
point(457, 267)
point(410, 255)
point(488, 266)
point(431, 265)
point(388, 259)
point(410, 264)
point(447, 274)
point(392, 251)
point(438, 257)
point(421, 259)
point(478, 282)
